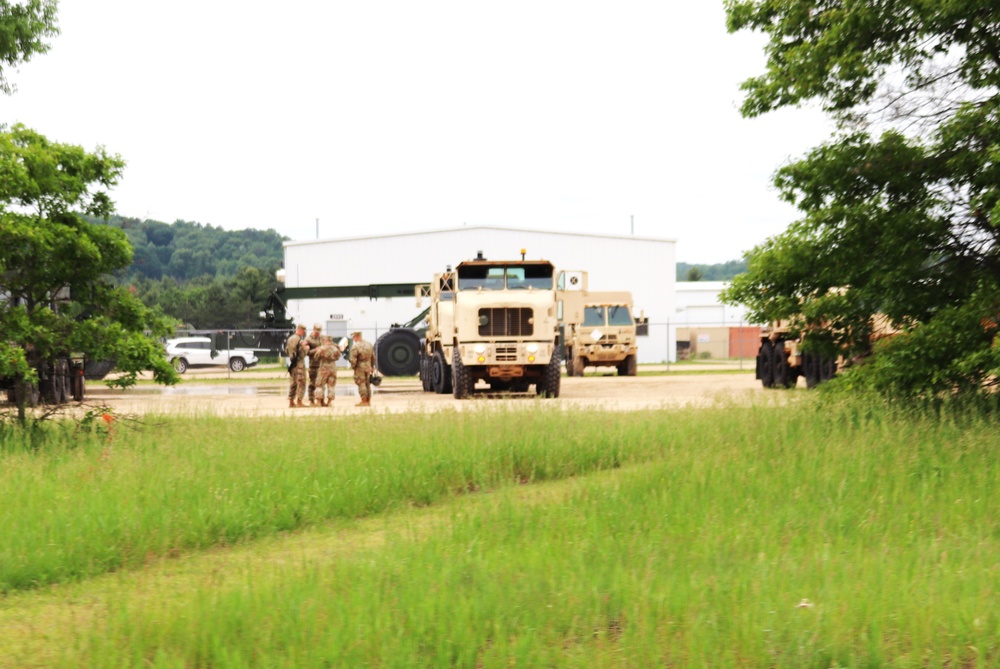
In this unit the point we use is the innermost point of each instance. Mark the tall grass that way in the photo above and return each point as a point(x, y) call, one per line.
point(85, 504)
point(801, 536)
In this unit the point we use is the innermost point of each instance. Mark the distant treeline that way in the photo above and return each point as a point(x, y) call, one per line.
point(720, 272)
point(202, 275)
point(207, 277)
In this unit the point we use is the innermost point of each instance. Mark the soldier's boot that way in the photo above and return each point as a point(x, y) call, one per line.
point(362, 403)
point(312, 401)
point(299, 403)
point(322, 402)
point(329, 402)
point(291, 403)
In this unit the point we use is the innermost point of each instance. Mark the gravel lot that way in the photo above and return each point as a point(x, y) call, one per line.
point(263, 392)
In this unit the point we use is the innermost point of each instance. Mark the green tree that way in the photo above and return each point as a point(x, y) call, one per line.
point(23, 28)
point(901, 207)
point(56, 294)
point(694, 274)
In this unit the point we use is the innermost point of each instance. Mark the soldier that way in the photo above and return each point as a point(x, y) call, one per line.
point(315, 340)
point(297, 349)
point(326, 379)
point(362, 359)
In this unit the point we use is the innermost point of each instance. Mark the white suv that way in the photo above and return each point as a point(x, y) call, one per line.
point(194, 351)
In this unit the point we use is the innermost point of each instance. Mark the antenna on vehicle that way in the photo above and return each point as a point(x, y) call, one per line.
point(523, 251)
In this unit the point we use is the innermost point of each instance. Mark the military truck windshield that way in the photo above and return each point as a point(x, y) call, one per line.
point(619, 315)
point(500, 277)
point(593, 316)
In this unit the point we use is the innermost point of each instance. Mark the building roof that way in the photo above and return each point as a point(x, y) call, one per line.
point(469, 228)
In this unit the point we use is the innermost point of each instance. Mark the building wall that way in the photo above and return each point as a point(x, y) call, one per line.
point(645, 266)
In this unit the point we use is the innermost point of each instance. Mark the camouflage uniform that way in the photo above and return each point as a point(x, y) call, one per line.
point(362, 359)
point(315, 340)
point(296, 345)
point(326, 377)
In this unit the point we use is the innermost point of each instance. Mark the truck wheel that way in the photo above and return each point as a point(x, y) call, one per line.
point(237, 364)
point(784, 375)
point(549, 385)
point(810, 369)
point(426, 379)
point(29, 392)
point(578, 364)
point(765, 364)
point(568, 357)
point(628, 366)
point(397, 352)
point(461, 380)
point(441, 373)
point(827, 369)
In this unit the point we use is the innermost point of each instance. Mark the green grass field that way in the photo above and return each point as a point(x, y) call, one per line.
point(806, 535)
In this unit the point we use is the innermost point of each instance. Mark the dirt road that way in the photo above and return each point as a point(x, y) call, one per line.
point(263, 393)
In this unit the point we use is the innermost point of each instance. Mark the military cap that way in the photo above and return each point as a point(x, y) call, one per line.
point(327, 338)
point(300, 326)
point(317, 326)
point(356, 334)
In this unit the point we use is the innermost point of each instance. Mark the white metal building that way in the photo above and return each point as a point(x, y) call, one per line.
point(645, 266)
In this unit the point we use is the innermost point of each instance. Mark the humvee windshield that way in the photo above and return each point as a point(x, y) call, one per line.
point(619, 315)
point(509, 277)
point(593, 316)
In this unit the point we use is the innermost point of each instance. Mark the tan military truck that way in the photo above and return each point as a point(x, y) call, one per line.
point(497, 321)
point(781, 359)
point(606, 337)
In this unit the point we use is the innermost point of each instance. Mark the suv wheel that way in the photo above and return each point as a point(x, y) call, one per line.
point(180, 364)
point(237, 364)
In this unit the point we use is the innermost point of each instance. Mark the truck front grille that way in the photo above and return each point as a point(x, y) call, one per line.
point(505, 322)
point(506, 353)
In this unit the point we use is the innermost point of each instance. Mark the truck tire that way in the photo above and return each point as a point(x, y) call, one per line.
point(426, 377)
point(549, 384)
point(461, 381)
point(784, 375)
point(397, 352)
point(628, 366)
point(28, 391)
point(827, 369)
point(568, 356)
point(810, 369)
point(578, 364)
point(765, 364)
point(440, 373)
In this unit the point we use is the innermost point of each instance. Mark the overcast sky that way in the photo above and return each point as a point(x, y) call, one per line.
point(400, 115)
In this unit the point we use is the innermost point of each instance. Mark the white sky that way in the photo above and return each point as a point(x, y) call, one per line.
point(384, 116)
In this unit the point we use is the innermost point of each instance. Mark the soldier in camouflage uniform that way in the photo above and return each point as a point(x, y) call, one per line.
point(315, 340)
point(296, 348)
point(326, 357)
point(362, 359)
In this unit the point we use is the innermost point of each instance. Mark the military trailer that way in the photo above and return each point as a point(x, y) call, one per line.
point(498, 321)
point(606, 337)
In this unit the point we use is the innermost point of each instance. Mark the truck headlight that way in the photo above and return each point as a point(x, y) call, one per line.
point(480, 349)
point(531, 348)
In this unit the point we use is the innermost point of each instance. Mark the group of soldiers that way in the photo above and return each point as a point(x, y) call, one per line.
point(323, 355)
